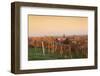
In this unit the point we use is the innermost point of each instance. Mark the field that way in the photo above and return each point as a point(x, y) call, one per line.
point(65, 47)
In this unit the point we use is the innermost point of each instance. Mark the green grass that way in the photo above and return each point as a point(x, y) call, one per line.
point(37, 54)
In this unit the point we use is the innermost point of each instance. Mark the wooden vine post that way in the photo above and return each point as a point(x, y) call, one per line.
point(43, 49)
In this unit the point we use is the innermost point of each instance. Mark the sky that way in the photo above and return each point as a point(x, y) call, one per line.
point(39, 25)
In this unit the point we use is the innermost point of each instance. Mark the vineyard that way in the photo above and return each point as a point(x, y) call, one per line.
point(57, 47)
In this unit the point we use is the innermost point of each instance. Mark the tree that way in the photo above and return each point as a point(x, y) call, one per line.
point(66, 41)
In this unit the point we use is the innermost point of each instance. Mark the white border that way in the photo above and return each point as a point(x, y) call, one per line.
point(25, 64)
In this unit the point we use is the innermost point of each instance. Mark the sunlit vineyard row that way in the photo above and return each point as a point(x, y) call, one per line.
point(58, 47)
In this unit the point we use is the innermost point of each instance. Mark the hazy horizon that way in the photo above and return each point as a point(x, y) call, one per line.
point(57, 25)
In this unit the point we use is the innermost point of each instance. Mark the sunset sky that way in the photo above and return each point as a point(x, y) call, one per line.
point(57, 25)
